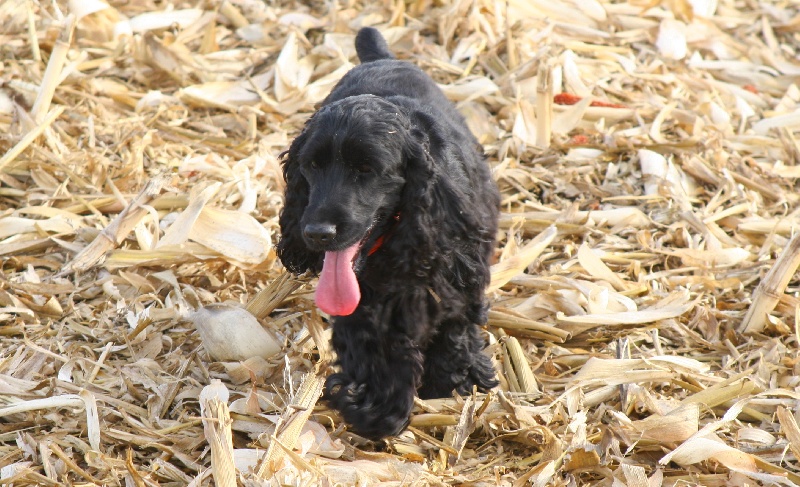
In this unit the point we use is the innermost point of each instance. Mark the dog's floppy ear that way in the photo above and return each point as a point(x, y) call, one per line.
point(429, 206)
point(291, 249)
point(413, 236)
point(445, 239)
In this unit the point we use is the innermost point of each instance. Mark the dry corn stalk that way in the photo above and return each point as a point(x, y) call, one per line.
point(723, 393)
point(291, 424)
point(598, 269)
point(521, 369)
point(583, 322)
point(790, 429)
point(769, 291)
point(28, 139)
point(508, 320)
point(269, 298)
point(461, 432)
point(626, 215)
point(217, 428)
point(675, 426)
point(430, 420)
point(71, 465)
point(41, 113)
point(84, 399)
point(544, 105)
point(52, 74)
point(118, 229)
point(321, 336)
point(232, 13)
point(506, 270)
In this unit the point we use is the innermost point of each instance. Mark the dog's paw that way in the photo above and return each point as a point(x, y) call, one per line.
point(481, 374)
point(373, 413)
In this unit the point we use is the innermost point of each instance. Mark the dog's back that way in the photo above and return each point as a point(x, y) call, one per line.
point(382, 74)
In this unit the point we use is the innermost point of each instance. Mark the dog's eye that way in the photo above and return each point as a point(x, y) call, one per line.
point(314, 164)
point(364, 168)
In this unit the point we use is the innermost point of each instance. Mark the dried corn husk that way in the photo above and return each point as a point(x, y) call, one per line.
point(231, 333)
point(504, 271)
point(767, 295)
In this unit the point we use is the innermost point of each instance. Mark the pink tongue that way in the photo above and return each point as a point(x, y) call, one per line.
point(337, 291)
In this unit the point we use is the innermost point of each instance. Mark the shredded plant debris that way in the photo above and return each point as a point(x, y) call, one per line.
point(645, 296)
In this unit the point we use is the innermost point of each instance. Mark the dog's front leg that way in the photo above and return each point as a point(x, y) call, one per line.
point(380, 372)
point(454, 360)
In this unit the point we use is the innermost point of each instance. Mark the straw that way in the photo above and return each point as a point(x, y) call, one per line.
point(643, 313)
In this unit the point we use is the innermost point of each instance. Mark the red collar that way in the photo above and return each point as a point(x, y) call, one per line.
point(383, 238)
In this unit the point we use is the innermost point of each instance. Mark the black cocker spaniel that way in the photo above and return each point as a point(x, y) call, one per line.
point(389, 198)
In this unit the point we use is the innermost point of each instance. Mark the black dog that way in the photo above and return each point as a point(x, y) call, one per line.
point(389, 198)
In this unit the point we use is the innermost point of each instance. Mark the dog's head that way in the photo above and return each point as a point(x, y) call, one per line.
point(352, 158)
point(349, 174)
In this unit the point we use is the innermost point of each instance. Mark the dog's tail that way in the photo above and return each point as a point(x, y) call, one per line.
point(371, 46)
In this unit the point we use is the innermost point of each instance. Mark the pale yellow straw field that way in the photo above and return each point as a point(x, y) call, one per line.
point(645, 301)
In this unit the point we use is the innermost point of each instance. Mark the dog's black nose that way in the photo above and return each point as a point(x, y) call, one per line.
point(320, 233)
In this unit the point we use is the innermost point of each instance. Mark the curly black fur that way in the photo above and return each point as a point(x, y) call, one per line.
point(388, 155)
